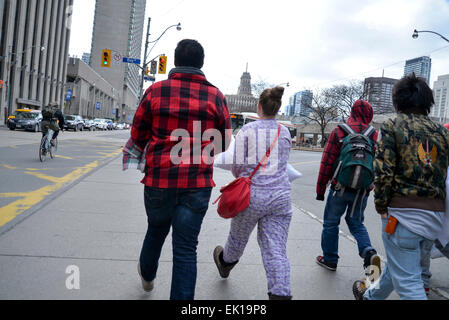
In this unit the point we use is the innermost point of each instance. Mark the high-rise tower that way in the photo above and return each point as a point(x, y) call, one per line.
point(420, 66)
point(118, 26)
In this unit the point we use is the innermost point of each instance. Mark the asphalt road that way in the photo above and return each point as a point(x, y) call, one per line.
point(27, 184)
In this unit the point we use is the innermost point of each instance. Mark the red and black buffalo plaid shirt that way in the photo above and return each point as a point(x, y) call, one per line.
point(361, 116)
point(188, 102)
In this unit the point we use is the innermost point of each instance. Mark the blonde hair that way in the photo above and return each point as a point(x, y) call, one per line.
point(271, 100)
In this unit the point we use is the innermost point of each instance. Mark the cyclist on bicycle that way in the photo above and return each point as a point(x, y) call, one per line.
point(50, 115)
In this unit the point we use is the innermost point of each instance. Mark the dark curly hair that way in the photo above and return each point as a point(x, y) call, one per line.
point(411, 94)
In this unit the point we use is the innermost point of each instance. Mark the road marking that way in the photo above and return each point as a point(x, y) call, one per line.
point(8, 166)
point(44, 176)
point(28, 199)
point(63, 157)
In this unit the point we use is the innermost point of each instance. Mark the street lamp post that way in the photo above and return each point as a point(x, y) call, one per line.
point(415, 35)
point(416, 32)
point(147, 53)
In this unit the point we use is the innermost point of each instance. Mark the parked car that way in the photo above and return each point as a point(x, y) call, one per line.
point(101, 124)
point(29, 120)
point(120, 126)
point(110, 124)
point(89, 125)
point(73, 122)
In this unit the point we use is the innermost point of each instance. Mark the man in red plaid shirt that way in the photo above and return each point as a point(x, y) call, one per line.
point(176, 113)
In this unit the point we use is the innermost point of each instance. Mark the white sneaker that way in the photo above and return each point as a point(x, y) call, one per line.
point(146, 285)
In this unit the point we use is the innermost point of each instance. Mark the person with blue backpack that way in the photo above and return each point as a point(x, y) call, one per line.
point(347, 165)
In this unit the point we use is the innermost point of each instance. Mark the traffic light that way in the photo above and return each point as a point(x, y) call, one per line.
point(162, 65)
point(106, 56)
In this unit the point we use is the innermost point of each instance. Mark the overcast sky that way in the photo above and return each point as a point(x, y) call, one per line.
point(310, 44)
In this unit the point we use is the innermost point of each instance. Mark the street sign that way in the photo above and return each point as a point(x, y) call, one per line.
point(68, 95)
point(131, 60)
point(117, 58)
point(153, 67)
point(98, 105)
point(149, 78)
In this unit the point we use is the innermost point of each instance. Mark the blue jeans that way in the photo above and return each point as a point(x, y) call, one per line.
point(403, 269)
point(336, 206)
point(182, 210)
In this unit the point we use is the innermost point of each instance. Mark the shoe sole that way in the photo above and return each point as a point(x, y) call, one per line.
point(146, 286)
point(325, 266)
point(217, 261)
point(375, 261)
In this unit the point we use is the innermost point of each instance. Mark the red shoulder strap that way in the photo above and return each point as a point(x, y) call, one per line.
point(267, 154)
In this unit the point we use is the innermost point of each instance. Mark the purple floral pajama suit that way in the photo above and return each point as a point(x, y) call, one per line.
point(270, 203)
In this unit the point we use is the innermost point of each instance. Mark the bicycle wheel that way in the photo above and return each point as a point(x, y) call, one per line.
point(42, 151)
point(53, 148)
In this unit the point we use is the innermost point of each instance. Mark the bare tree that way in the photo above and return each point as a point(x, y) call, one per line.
point(257, 87)
point(343, 96)
point(322, 110)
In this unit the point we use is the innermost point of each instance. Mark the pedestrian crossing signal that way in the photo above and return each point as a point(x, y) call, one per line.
point(162, 65)
point(106, 56)
point(153, 67)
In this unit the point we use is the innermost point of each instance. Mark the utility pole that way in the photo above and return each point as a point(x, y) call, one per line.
point(144, 60)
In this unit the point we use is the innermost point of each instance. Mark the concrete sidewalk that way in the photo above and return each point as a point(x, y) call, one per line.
point(98, 226)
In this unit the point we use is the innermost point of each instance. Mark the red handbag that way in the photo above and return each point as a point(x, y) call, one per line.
point(235, 195)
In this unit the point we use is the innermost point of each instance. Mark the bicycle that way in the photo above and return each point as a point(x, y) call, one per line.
point(46, 147)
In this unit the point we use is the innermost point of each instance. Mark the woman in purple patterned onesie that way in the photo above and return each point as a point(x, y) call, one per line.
point(270, 202)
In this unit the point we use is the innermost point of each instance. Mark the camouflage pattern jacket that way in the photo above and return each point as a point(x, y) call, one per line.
point(411, 164)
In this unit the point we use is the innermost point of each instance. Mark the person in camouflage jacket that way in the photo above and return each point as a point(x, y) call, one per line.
point(410, 168)
point(411, 164)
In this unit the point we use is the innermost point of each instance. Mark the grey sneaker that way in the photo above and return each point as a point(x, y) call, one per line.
point(146, 285)
point(223, 268)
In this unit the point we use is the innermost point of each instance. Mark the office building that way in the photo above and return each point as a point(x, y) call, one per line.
point(90, 95)
point(440, 111)
point(118, 26)
point(34, 44)
point(300, 104)
point(243, 101)
point(420, 66)
point(378, 92)
point(86, 58)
